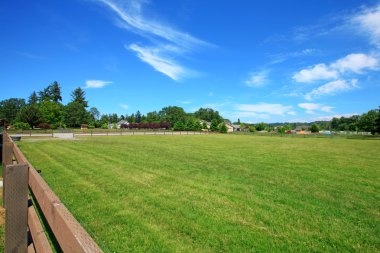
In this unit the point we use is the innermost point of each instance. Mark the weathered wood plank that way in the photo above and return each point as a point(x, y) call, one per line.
point(16, 212)
point(40, 241)
point(69, 233)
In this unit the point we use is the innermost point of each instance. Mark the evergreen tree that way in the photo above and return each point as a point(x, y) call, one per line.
point(33, 98)
point(138, 117)
point(44, 95)
point(78, 96)
point(76, 114)
point(55, 92)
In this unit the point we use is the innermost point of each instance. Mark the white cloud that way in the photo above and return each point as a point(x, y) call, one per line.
point(130, 12)
point(329, 117)
point(316, 72)
point(273, 109)
point(168, 43)
point(257, 79)
point(158, 59)
point(369, 22)
point(356, 63)
point(124, 106)
point(95, 84)
point(332, 88)
point(312, 107)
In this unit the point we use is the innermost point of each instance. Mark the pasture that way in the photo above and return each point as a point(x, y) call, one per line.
point(218, 193)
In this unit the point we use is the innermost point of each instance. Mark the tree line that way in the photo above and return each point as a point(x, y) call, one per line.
point(366, 122)
point(44, 109)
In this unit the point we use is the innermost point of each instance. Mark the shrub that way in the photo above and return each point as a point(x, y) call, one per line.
point(178, 126)
point(91, 126)
point(21, 126)
point(223, 128)
point(105, 126)
point(214, 125)
point(314, 128)
point(252, 129)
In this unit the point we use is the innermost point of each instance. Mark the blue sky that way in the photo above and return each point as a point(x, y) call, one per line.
point(270, 61)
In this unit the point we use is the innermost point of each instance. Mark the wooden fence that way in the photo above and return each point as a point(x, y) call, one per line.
point(24, 232)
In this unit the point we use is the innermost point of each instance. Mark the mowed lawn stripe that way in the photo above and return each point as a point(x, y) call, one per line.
point(218, 193)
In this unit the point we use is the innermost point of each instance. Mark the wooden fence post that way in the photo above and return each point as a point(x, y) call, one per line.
point(16, 212)
point(7, 160)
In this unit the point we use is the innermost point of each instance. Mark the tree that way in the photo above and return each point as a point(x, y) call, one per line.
point(178, 126)
point(9, 108)
point(223, 128)
point(30, 114)
point(76, 114)
point(314, 128)
point(204, 125)
point(138, 117)
point(367, 121)
point(208, 114)
point(33, 98)
point(52, 113)
point(55, 92)
point(78, 95)
point(44, 95)
point(153, 117)
point(94, 113)
point(261, 126)
point(214, 125)
point(172, 114)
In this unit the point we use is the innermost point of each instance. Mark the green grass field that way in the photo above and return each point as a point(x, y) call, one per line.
point(218, 193)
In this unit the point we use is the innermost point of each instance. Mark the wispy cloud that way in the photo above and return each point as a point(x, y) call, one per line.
point(369, 22)
point(167, 42)
point(281, 57)
point(257, 79)
point(265, 108)
point(330, 117)
point(332, 88)
point(31, 56)
point(312, 107)
point(95, 84)
point(157, 57)
point(124, 106)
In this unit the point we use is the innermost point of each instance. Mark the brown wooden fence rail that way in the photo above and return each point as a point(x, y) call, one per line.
point(21, 219)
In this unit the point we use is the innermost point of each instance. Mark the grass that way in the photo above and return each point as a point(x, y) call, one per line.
point(218, 193)
point(2, 216)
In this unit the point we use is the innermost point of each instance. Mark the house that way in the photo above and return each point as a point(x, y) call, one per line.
point(301, 128)
point(83, 126)
point(120, 123)
point(230, 128)
point(236, 128)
